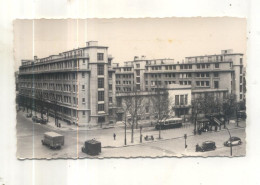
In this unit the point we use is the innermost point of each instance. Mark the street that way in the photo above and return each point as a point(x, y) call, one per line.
point(30, 134)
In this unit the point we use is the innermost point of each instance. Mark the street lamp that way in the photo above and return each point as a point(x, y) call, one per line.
point(185, 137)
point(230, 141)
point(125, 127)
point(141, 136)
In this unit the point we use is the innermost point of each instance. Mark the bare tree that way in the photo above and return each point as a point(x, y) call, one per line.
point(196, 107)
point(161, 106)
point(133, 106)
point(230, 107)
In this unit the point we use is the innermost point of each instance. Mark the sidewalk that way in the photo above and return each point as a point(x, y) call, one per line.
point(108, 142)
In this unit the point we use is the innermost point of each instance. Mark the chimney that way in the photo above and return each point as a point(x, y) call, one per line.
point(136, 58)
point(143, 57)
point(92, 43)
point(35, 57)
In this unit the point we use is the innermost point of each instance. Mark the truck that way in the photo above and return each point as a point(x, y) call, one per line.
point(53, 140)
point(91, 147)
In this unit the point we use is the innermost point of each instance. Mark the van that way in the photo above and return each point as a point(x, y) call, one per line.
point(53, 140)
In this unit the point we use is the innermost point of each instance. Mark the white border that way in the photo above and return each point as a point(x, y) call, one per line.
point(127, 171)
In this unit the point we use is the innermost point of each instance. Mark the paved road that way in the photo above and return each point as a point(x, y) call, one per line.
point(29, 137)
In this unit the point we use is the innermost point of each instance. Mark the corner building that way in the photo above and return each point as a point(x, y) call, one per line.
point(78, 83)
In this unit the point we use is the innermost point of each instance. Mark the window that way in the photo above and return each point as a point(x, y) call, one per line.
point(147, 109)
point(101, 107)
point(138, 72)
point(215, 74)
point(182, 99)
point(198, 66)
point(110, 86)
point(241, 79)
point(100, 95)
point(100, 69)
point(207, 83)
point(83, 75)
point(119, 102)
point(197, 83)
point(138, 87)
point(138, 79)
point(110, 75)
point(186, 99)
point(110, 99)
point(216, 84)
point(216, 65)
point(83, 113)
point(83, 87)
point(100, 82)
point(83, 100)
point(176, 99)
point(137, 65)
point(100, 56)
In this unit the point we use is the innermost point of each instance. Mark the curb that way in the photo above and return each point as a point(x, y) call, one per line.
point(165, 139)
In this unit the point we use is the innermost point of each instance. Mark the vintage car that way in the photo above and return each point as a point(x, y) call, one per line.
point(233, 141)
point(41, 120)
point(34, 118)
point(241, 114)
point(53, 140)
point(91, 147)
point(29, 115)
point(206, 146)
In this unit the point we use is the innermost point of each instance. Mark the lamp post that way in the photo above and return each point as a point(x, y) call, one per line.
point(230, 141)
point(185, 137)
point(141, 136)
point(125, 127)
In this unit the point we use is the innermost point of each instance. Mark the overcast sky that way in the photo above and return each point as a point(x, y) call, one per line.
point(155, 38)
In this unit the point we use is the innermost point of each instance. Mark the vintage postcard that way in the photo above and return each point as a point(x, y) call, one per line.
point(144, 87)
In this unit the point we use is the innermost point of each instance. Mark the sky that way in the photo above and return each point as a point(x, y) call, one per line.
point(174, 38)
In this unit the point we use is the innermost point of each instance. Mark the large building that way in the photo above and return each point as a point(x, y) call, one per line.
point(218, 74)
point(78, 82)
point(83, 87)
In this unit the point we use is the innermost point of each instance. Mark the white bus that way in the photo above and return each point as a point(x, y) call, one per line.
point(169, 123)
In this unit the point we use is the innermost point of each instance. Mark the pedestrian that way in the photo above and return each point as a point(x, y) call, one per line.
point(114, 136)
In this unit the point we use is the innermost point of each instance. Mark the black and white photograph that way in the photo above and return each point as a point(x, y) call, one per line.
point(129, 88)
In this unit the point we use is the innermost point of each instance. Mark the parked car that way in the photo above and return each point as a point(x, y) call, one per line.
point(29, 115)
point(41, 120)
point(206, 146)
point(241, 114)
point(34, 118)
point(53, 140)
point(233, 141)
point(38, 120)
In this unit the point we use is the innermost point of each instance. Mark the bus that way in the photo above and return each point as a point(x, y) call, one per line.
point(169, 123)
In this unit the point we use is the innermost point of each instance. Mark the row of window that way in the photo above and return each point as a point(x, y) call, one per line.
point(56, 66)
point(123, 76)
point(181, 99)
point(202, 83)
